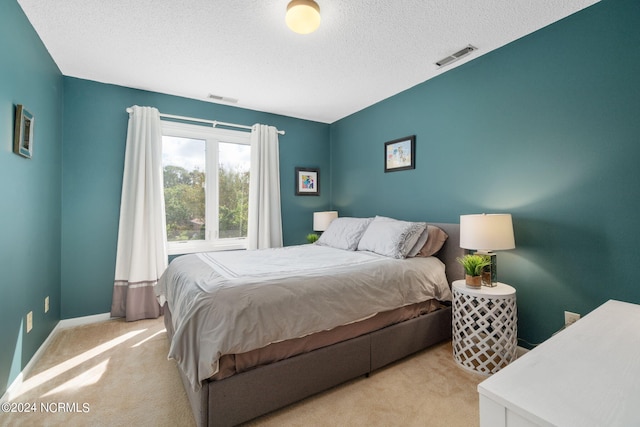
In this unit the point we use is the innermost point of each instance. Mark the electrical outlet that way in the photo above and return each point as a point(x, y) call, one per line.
point(29, 321)
point(46, 304)
point(570, 318)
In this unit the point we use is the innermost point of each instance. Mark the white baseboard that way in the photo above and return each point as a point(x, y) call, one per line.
point(85, 320)
point(17, 383)
point(62, 324)
point(521, 351)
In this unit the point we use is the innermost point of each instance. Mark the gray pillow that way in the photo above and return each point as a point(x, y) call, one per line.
point(419, 243)
point(391, 237)
point(344, 233)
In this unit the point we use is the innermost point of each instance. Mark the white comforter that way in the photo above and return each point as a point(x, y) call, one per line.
point(233, 302)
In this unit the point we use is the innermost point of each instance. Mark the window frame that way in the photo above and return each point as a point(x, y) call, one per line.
point(212, 137)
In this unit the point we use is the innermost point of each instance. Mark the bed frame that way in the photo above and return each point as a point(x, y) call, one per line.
point(250, 394)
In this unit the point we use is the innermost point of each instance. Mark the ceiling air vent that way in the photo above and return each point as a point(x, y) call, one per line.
point(454, 57)
point(223, 98)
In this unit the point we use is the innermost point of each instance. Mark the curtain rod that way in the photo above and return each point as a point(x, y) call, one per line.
point(211, 122)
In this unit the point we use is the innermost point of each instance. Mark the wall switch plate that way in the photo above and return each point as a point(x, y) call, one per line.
point(570, 318)
point(46, 304)
point(29, 321)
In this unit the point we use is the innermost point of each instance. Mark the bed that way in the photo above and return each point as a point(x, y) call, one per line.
point(237, 373)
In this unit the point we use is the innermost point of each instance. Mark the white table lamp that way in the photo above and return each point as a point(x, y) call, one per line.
point(321, 220)
point(486, 233)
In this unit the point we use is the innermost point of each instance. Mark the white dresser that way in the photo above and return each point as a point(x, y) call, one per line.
point(587, 375)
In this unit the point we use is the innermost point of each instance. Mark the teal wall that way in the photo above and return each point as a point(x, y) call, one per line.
point(29, 193)
point(94, 141)
point(546, 128)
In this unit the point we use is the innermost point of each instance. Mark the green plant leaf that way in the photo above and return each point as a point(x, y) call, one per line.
point(473, 264)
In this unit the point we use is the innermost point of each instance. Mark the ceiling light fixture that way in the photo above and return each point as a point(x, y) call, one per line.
point(303, 16)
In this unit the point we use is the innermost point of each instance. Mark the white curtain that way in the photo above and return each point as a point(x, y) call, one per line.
point(141, 254)
point(265, 220)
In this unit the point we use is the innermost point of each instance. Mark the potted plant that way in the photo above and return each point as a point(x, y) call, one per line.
point(473, 266)
point(312, 238)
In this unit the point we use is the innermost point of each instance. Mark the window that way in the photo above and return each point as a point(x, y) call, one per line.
point(206, 187)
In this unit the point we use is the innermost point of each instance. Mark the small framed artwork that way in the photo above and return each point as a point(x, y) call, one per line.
point(23, 140)
point(307, 182)
point(400, 154)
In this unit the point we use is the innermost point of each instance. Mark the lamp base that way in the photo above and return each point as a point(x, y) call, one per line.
point(490, 273)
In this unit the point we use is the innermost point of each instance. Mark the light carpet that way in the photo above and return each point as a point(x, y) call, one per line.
point(117, 374)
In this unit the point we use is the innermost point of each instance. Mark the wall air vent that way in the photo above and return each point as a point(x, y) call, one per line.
point(454, 57)
point(222, 98)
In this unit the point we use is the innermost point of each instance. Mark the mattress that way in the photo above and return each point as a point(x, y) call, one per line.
point(235, 302)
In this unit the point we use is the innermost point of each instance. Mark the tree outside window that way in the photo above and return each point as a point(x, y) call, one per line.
point(206, 187)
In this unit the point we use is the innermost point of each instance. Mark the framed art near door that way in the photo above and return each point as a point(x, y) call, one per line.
point(23, 140)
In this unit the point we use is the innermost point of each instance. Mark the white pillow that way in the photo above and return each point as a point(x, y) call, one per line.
point(344, 233)
point(391, 237)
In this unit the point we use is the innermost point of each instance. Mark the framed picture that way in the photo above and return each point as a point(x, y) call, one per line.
point(400, 154)
point(307, 182)
point(23, 140)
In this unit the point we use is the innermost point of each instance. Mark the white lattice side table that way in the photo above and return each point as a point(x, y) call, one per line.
point(485, 330)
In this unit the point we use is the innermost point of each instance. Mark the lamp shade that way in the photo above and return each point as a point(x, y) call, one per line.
point(321, 220)
point(303, 16)
point(486, 232)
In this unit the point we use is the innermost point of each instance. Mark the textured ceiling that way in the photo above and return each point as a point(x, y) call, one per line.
point(363, 52)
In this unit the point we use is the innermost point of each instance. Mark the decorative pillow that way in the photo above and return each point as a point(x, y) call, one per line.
point(434, 243)
point(391, 237)
point(344, 233)
point(419, 243)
